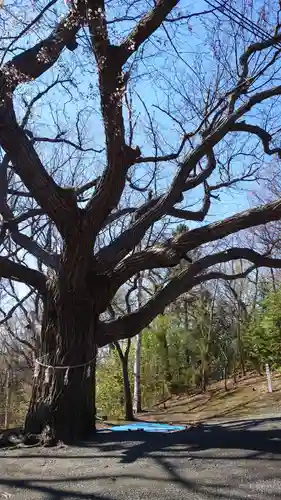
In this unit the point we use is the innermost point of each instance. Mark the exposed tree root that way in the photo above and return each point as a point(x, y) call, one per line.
point(16, 438)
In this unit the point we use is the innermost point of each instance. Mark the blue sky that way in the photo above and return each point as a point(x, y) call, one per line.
point(152, 89)
point(192, 41)
point(231, 201)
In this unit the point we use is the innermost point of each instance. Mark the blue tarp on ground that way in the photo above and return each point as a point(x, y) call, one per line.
point(148, 427)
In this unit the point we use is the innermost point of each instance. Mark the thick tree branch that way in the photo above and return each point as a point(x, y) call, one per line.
point(169, 254)
point(53, 200)
point(27, 28)
point(33, 212)
point(33, 62)
point(198, 215)
point(26, 66)
point(154, 209)
point(130, 238)
point(17, 272)
point(147, 25)
point(119, 213)
point(131, 324)
point(212, 232)
point(264, 136)
point(50, 260)
point(112, 85)
point(10, 223)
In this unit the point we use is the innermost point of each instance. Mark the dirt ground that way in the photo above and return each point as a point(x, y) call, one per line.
point(249, 397)
point(236, 461)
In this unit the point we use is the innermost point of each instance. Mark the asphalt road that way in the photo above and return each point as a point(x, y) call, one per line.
point(234, 461)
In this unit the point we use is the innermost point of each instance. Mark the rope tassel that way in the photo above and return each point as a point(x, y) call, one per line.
point(36, 370)
point(47, 375)
point(66, 376)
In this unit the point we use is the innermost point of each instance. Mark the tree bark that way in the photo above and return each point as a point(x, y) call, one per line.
point(62, 399)
point(167, 368)
point(204, 380)
point(234, 375)
point(225, 376)
point(129, 414)
point(241, 347)
point(128, 401)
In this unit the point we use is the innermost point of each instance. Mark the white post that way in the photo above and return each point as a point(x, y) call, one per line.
point(268, 376)
point(137, 363)
point(137, 377)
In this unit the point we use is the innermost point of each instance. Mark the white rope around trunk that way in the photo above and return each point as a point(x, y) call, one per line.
point(49, 369)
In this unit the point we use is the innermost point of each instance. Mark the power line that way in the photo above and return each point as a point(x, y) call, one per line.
point(240, 19)
point(224, 6)
point(250, 25)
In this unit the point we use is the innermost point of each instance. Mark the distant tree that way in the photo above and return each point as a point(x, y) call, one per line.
point(263, 333)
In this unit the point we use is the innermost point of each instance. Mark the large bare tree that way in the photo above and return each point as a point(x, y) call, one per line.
point(214, 133)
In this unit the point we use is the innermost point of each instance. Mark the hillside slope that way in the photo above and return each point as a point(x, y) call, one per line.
point(248, 398)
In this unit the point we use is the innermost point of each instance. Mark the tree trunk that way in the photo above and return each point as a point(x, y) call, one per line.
point(62, 399)
point(234, 375)
point(240, 346)
point(204, 379)
point(167, 368)
point(129, 414)
point(225, 377)
point(137, 364)
point(124, 359)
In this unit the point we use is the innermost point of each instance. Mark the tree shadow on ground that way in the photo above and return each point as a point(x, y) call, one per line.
point(241, 435)
point(255, 443)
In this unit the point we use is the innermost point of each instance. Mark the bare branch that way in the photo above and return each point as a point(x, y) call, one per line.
point(17, 272)
point(36, 98)
point(15, 307)
point(264, 136)
point(26, 162)
point(112, 85)
point(60, 140)
point(154, 209)
point(198, 215)
point(10, 223)
point(131, 324)
point(146, 27)
point(170, 254)
point(50, 260)
point(167, 157)
point(27, 28)
point(33, 62)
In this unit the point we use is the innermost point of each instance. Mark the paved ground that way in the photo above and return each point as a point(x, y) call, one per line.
point(234, 461)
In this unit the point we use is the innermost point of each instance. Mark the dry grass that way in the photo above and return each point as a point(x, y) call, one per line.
point(249, 397)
